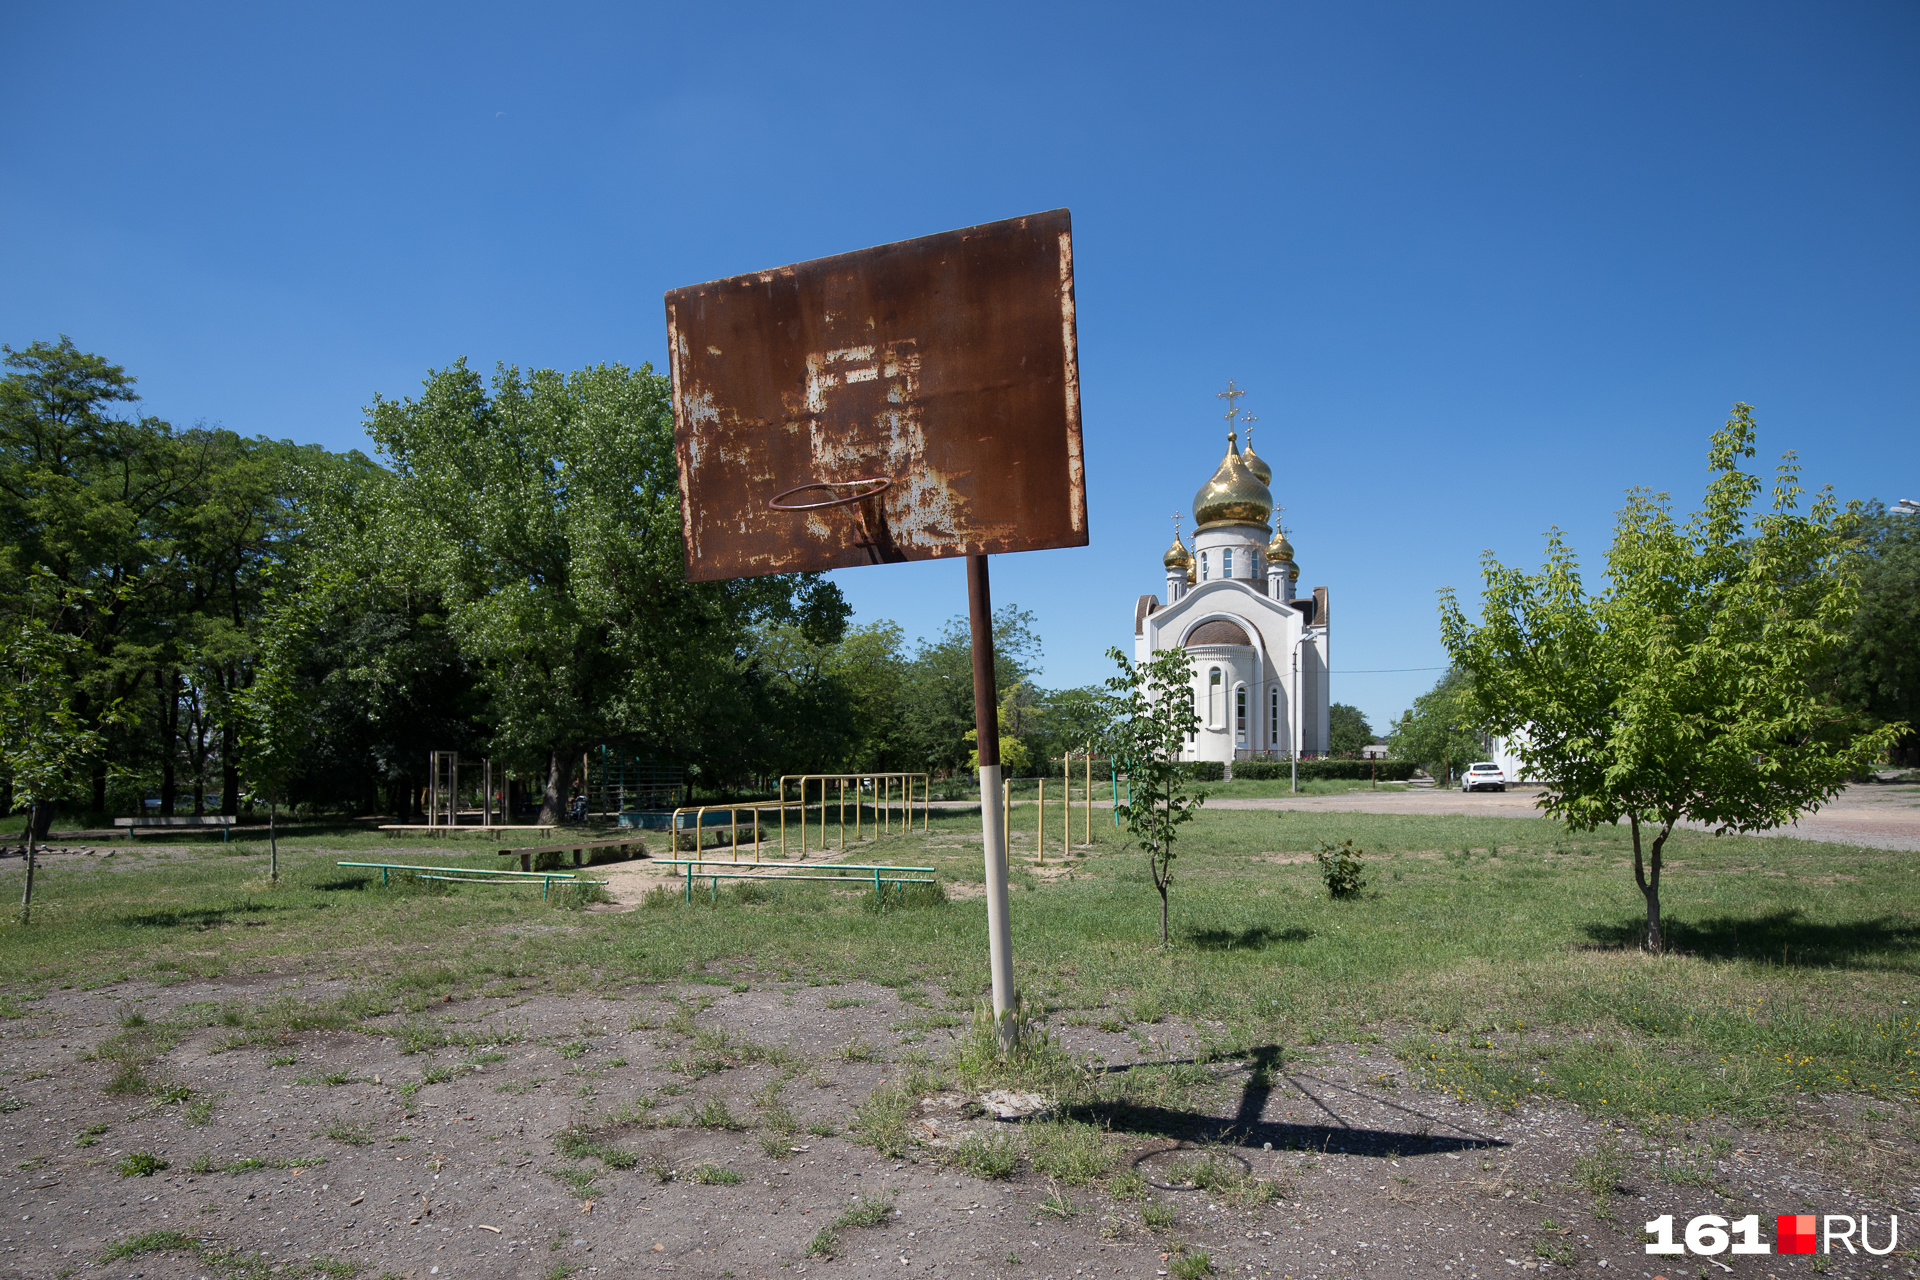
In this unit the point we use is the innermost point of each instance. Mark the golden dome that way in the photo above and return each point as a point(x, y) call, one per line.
point(1190, 578)
point(1255, 463)
point(1280, 551)
point(1234, 496)
point(1177, 557)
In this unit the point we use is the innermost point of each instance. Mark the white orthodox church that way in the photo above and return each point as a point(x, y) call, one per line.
point(1258, 651)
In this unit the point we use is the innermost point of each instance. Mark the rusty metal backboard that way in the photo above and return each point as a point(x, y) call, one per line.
point(907, 402)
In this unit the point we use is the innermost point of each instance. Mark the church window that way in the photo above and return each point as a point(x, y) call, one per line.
point(1240, 713)
point(1226, 563)
point(1203, 566)
point(1273, 720)
point(1213, 698)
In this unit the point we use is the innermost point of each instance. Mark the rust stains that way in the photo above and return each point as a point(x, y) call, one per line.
point(946, 367)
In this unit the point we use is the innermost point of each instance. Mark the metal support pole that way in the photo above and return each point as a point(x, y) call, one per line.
point(1086, 812)
point(1040, 831)
point(986, 723)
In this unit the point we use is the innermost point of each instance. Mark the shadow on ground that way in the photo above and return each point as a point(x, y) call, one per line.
point(1782, 937)
point(1247, 1127)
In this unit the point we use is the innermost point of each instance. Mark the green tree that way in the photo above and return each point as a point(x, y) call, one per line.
point(1067, 720)
point(1686, 690)
point(545, 512)
point(90, 499)
point(1877, 670)
point(1151, 720)
point(1347, 730)
point(47, 748)
point(938, 703)
point(277, 712)
point(1016, 760)
point(870, 669)
point(1439, 733)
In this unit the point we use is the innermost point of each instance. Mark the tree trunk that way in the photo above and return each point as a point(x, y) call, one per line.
point(169, 739)
point(229, 769)
point(43, 811)
point(553, 801)
point(1647, 876)
point(1163, 915)
point(33, 826)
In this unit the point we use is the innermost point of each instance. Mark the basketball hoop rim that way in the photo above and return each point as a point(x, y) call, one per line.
point(874, 484)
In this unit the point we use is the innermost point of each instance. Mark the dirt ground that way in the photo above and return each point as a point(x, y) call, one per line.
point(357, 1166)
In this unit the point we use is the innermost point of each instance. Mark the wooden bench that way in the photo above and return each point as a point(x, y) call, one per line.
point(158, 826)
point(576, 847)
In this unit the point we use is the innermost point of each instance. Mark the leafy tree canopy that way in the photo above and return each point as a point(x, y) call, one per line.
point(1686, 690)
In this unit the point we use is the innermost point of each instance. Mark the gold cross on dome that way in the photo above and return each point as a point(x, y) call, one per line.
point(1231, 395)
point(1249, 419)
point(1176, 526)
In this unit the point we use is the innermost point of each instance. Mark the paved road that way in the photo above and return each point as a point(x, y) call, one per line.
point(1876, 815)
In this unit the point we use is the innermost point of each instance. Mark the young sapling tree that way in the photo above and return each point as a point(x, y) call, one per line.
point(46, 749)
point(1152, 718)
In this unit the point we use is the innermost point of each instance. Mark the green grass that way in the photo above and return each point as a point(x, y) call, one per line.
point(1495, 956)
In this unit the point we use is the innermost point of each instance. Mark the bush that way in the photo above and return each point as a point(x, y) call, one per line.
point(1206, 771)
point(1340, 868)
point(1325, 770)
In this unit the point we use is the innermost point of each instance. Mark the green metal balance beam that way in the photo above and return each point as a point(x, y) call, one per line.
point(472, 875)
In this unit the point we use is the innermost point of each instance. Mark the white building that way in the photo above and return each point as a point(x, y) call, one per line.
point(1259, 654)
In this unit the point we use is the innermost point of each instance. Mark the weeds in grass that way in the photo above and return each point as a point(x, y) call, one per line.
point(1340, 868)
point(520, 1086)
point(824, 1244)
point(897, 896)
point(578, 1181)
point(858, 1050)
point(141, 1164)
point(708, 1175)
point(577, 1143)
point(1600, 1174)
point(656, 1164)
point(715, 1114)
point(881, 1121)
point(90, 1135)
point(1158, 1216)
point(1070, 1151)
point(866, 1212)
point(351, 1134)
point(1057, 1203)
point(1191, 1266)
point(232, 1264)
point(991, 1156)
point(1127, 1184)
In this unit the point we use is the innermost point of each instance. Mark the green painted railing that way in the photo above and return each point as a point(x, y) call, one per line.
point(473, 875)
point(775, 874)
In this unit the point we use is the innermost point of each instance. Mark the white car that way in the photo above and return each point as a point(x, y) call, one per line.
point(1483, 777)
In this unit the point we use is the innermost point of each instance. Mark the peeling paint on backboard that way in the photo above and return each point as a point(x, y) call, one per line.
point(945, 366)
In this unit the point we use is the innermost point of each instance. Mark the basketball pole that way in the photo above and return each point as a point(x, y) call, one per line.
point(986, 726)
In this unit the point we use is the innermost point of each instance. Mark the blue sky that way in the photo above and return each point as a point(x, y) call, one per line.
point(1480, 266)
